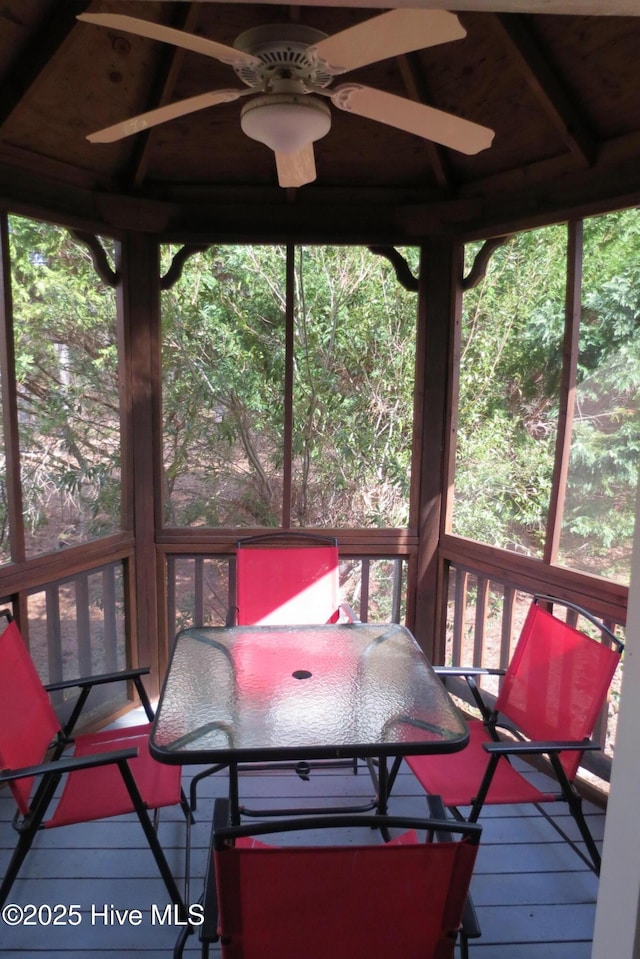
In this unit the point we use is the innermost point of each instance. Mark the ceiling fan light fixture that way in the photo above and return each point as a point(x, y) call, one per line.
point(285, 122)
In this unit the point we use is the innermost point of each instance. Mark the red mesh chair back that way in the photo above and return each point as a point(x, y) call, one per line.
point(557, 682)
point(352, 902)
point(281, 581)
point(28, 723)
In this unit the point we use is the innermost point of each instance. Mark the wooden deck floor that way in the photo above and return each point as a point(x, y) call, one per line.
point(534, 896)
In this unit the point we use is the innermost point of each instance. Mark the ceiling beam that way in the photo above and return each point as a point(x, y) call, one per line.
point(578, 8)
point(546, 86)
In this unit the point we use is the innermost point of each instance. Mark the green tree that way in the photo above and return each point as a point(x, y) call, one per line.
point(224, 365)
point(510, 367)
point(67, 380)
point(603, 475)
point(509, 388)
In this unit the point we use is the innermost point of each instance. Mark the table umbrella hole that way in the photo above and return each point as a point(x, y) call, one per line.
point(301, 674)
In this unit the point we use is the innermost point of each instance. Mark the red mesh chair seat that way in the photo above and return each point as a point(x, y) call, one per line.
point(458, 784)
point(28, 723)
point(551, 696)
point(158, 785)
point(104, 774)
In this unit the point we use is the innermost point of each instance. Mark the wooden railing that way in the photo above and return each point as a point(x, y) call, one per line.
point(201, 588)
point(76, 627)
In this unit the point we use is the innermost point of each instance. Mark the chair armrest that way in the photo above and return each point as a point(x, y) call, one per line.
point(540, 747)
point(69, 764)
point(467, 671)
point(98, 680)
point(470, 674)
point(86, 683)
point(223, 832)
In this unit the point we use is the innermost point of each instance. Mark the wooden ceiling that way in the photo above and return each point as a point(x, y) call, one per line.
point(562, 93)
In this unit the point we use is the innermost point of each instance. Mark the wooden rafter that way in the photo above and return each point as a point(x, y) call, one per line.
point(416, 87)
point(547, 86)
point(620, 8)
point(29, 61)
point(162, 92)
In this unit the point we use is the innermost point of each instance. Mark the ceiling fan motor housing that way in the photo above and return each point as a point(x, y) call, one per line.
point(285, 51)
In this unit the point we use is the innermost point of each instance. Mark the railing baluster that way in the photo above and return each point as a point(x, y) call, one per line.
point(54, 636)
point(396, 597)
point(110, 620)
point(572, 617)
point(83, 625)
point(602, 725)
point(459, 614)
point(232, 586)
point(171, 595)
point(506, 633)
point(198, 588)
point(482, 594)
point(364, 590)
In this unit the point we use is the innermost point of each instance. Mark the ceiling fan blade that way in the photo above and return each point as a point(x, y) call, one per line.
point(156, 31)
point(169, 112)
point(296, 169)
point(388, 35)
point(424, 121)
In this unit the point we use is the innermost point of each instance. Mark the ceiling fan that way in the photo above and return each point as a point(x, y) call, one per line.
point(288, 69)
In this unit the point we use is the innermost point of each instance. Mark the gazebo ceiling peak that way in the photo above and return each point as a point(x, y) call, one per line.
point(559, 85)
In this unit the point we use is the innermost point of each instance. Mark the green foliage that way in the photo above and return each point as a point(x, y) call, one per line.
point(510, 370)
point(600, 511)
point(510, 375)
point(355, 350)
point(66, 367)
point(225, 369)
point(224, 338)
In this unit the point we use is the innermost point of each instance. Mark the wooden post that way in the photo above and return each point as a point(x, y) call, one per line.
point(287, 458)
point(139, 307)
point(570, 350)
point(10, 406)
point(436, 309)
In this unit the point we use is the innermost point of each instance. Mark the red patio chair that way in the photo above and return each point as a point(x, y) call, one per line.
point(287, 577)
point(284, 577)
point(403, 898)
point(550, 698)
point(108, 773)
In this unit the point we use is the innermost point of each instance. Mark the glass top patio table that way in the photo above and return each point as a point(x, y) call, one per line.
point(270, 693)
